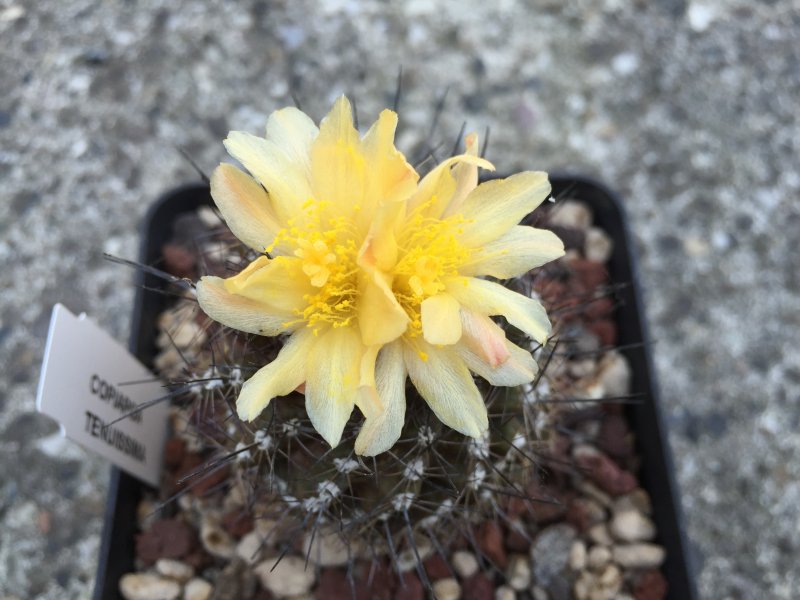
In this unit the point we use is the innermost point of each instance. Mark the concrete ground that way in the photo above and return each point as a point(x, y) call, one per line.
point(688, 108)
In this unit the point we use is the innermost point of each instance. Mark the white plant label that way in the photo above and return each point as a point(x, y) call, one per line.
point(88, 382)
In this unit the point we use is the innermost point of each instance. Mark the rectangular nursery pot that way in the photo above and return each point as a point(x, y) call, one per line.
point(117, 550)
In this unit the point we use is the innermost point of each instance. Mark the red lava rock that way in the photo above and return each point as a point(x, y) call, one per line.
point(477, 587)
point(178, 261)
point(607, 474)
point(334, 585)
point(383, 580)
point(174, 453)
point(490, 542)
point(605, 330)
point(589, 273)
point(599, 308)
point(409, 587)
point(547, 503)
point(238, 523)
point(614, 437)
point(651, 586)
point(199, 484)
point(581, 516)
point(263, 594)
point(165, 538)
point(516, 540)
point(436, 567)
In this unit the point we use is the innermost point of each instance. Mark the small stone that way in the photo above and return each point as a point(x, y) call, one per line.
point(539, 593)
point(600, 534)
point(638, 499)
point(577, 556)
point(490, 541)
point(437, 568)
point(166, 538)
point(638, 556)
point(518, 573)
point(236, 580)
point(178, 260)
point(465, 564)
point(174, 569)
point(571, 213)
point(327, 549)
point(288, 578)
point(583, 586)
point(603, 471)
point(447, 589)
point(238, 522)
point(334, 585)
point(505, 593)
point(614, 375)
point(598, 557)
point(249, 547)
point(409, 588)
point(517, 538)
point(174, 452)
point(147, 586)
point(585, 512)
point(651, 586)
point(550, 555)
point(592, 491)
point(197, 589)
point(408, 558)
point(632, 526)
point(477, 587)
point(216, 540)
point(607, 585)
point(614, 437)
point(598, 245)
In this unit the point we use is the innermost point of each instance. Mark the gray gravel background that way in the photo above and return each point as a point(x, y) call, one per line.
point(688, 108)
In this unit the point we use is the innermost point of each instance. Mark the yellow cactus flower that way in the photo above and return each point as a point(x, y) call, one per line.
point(375, 275)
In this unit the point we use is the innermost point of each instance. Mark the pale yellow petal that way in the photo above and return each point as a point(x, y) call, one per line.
point(381, 319)
point(489, 298)
point(379, 250)
point(279, 282)
point(338, 166)
point(332, 380)
point(384, 404)
point(483, 337)
point(389, 176)
point(514, 253)
point(245, 206)
point(438, 187)
point(294, 132)
point(517, 369)
point(237, 311)
point(441, 322)
point(445, 383)
point(465, 175)
point(286, 181)
point(496, 206)
point(278, 378)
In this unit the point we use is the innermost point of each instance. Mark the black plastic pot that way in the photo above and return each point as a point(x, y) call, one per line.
point(656, 475)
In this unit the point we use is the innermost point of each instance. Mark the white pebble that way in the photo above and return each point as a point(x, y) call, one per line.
point(598, 557)
point(465, 564)
point(577, 556)
point(598, 245)
point(639, 556)
point(505, 593)
point(249, 547)
point(216, 540)
point(632, 526)
point(518, 573)
point(288, 578)
point(599, 534)
point(198, 589)
point(174, 569)
point(326, 549)
point(571, 213)
point(447, 589)
point(147, 586)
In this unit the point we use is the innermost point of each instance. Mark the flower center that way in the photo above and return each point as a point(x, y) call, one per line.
point(430, 253)
point(327, 249)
